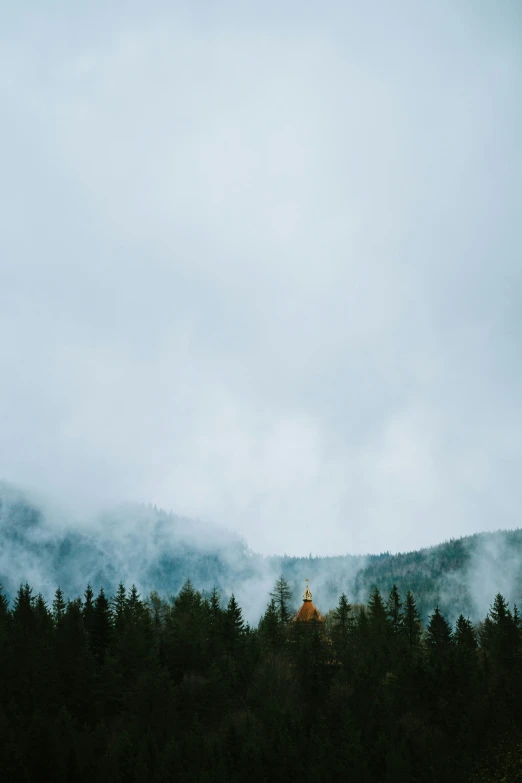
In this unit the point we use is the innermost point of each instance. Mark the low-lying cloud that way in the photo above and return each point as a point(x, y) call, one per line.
point(264, 268)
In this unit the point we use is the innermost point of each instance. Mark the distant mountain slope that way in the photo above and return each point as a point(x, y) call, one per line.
point(158, 550)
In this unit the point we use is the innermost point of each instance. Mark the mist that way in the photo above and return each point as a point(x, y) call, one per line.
point(48, 545)
point(262, 267)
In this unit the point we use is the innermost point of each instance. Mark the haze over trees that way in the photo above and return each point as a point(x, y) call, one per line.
point(159, 551)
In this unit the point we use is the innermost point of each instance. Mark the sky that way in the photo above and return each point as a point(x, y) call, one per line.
point(261, 264)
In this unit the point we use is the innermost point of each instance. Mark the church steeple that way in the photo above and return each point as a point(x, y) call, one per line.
point(308, 613)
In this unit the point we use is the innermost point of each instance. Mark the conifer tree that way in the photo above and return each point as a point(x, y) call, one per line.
point(119, 604)
point(270, 627)
point(502, 630)
point(377, 614)
point(411, 621)
point(465, 636)
point(58, 606)
point(88, 609)
point(393, 609)
point(43, 617)
point(188, 599)
point(102, 626)
point(23, 608)
point(282, 596)
point(499, 611)
point(439, 636)
point(158, 609)
point(135, 605)
point(215, 602)
point(343, 627)
point(234, 624)
point(216, 623)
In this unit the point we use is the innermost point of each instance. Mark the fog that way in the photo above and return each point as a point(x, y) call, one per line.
point(261, 267)
point(47, 545)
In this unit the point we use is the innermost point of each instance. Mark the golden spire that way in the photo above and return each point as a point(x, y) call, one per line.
point(307, 595)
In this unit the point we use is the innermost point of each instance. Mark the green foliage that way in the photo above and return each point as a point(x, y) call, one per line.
point(465, 636)
point(270, 632)
point(438, 633)
point(282, 597)
point(133, 690)
point(58, 606)
point(411, 622)
point(393, 609)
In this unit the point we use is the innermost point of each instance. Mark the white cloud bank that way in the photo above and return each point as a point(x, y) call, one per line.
point(265, 269)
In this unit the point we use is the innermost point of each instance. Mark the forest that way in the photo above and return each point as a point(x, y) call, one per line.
point(129, 688)
point(159, 551)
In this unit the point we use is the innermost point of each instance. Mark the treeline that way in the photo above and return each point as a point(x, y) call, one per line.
point(120, 688)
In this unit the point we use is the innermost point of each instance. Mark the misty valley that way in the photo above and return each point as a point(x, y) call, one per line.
point(163, 649)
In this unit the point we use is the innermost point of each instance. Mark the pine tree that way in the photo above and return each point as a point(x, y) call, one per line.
point(282, 595)
point(411, 621)
point(119, 605)
point(270, 628)
point(158, 609)
point(499, 611)
point(58, 606)
point(465, 636)
point(188, 599)
point(377, 614)
point(43, 617)
point(343, 628)
point(88, 609)
point(23, 608)
point(234, 624)
point(503, 631)
point(439, 636)
point(215, 602)
point(393, 609)
point(135, 606)
point(102, 626)
point(216, 623)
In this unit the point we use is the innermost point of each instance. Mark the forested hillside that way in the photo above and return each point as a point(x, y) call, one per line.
point(158, 550)
point(113, 688)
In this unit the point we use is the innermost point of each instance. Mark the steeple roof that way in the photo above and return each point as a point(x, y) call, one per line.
point(308, 612)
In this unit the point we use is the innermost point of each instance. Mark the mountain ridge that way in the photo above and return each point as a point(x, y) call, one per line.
point(159, 550)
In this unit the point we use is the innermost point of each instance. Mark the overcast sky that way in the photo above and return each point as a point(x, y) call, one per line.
point(261, 263)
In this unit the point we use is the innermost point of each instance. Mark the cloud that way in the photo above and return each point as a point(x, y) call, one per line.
point(265, 270)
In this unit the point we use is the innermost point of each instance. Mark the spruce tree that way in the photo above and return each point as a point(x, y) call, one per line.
point(343, 628)
point(377, 614)
point(270, 628)
point(58, 606)
point(234, 624)
point(119, 605)
point(135, 606)
point(102, 626)
point(465, 636)
point(438, 636)
point(499, 611)
point(393, 610)
point(411, 621)
point(43, 617)
point(282, 595)
point(88, 610)
point(503, 630)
